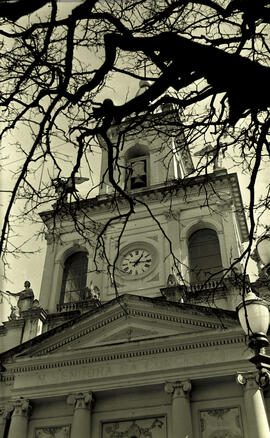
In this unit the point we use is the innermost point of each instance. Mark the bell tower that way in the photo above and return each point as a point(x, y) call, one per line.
point(185, 227)
point(151, 150)
point(184, 231)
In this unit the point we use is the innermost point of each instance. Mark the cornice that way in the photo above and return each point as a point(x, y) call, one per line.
point(156, 192)
point(105, 202)
point(7, 377)
point(121, 307)
point(138, 351)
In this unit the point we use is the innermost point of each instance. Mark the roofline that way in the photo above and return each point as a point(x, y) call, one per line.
point(122, 299)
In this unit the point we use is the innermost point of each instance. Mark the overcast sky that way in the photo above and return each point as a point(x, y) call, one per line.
point(30, 267)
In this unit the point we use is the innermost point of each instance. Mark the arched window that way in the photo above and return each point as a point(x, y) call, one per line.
point(204, 255)
point(137, 163)
point(74, 278)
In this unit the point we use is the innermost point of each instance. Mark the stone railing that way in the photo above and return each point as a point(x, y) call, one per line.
point(78, 305)
point(205, 286)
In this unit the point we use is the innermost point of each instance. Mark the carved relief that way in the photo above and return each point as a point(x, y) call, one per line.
point(21, 407)
point(141, 428)
point(221, 423)
point(80, 400)
point(172, 214)
point(253, 380)
point(178, 389)
point(5, 412)
point(53, 432)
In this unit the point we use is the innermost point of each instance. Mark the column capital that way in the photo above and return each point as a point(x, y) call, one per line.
point(5, 411)
point(83, 400)
point(178, 389)
point(21, 407)
point(253, 380)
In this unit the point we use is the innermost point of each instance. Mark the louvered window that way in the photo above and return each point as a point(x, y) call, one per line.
point(204, 255)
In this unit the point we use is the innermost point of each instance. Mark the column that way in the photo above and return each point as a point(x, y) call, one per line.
point(81, 422)
point(5, 412)
point(19, 419)
point(181, 413)
point(257, 422)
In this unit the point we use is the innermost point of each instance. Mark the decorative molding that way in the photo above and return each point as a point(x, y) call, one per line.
point(154, 427)
point(252, 380)
point(221, 422)
point(124, 314)
point(180, 189)
point(127, 354)
point(69, 248)
point(178, 389)
point(81, 400)
point(52, 431)
point(172, 214)
point(7, 377)
point(21, 407)
point(5, 411)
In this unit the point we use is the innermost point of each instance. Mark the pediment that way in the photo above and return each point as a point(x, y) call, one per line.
point(126, 331)
point(124, 320)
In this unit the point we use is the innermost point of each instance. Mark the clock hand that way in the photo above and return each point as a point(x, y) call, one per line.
point(138, 260)
point(142, 261)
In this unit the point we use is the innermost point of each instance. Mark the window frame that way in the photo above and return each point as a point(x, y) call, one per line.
point(195, 273)
point(66, 271)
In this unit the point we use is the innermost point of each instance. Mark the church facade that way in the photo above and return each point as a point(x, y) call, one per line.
point(135, 333)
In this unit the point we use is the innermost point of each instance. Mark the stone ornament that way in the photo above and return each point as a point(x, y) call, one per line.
point(80, 400)
point(52, 432)
point(5, 411)
point(21, 407)
point(178, 389)
point(25, 301)
point(221, 422)
point(253, 380)
point(136, 428)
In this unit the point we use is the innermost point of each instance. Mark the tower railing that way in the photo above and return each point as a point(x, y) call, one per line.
point(204, 286)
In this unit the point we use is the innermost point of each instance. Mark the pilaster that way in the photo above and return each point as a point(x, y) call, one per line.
point(81, 422)
point(181, 412)
point(257, 422)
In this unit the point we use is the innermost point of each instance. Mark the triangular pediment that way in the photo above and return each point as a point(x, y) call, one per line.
point(127, 330)
point(124, 320)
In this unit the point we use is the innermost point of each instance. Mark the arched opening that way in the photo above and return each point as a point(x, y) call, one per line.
point(204, 255)
point(74, 278)
point(137, 165)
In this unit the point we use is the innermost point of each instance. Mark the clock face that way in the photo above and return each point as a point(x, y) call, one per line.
point(136, 262)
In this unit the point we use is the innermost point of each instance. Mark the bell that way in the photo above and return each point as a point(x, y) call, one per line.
point(138, 178)
point(137, 182)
